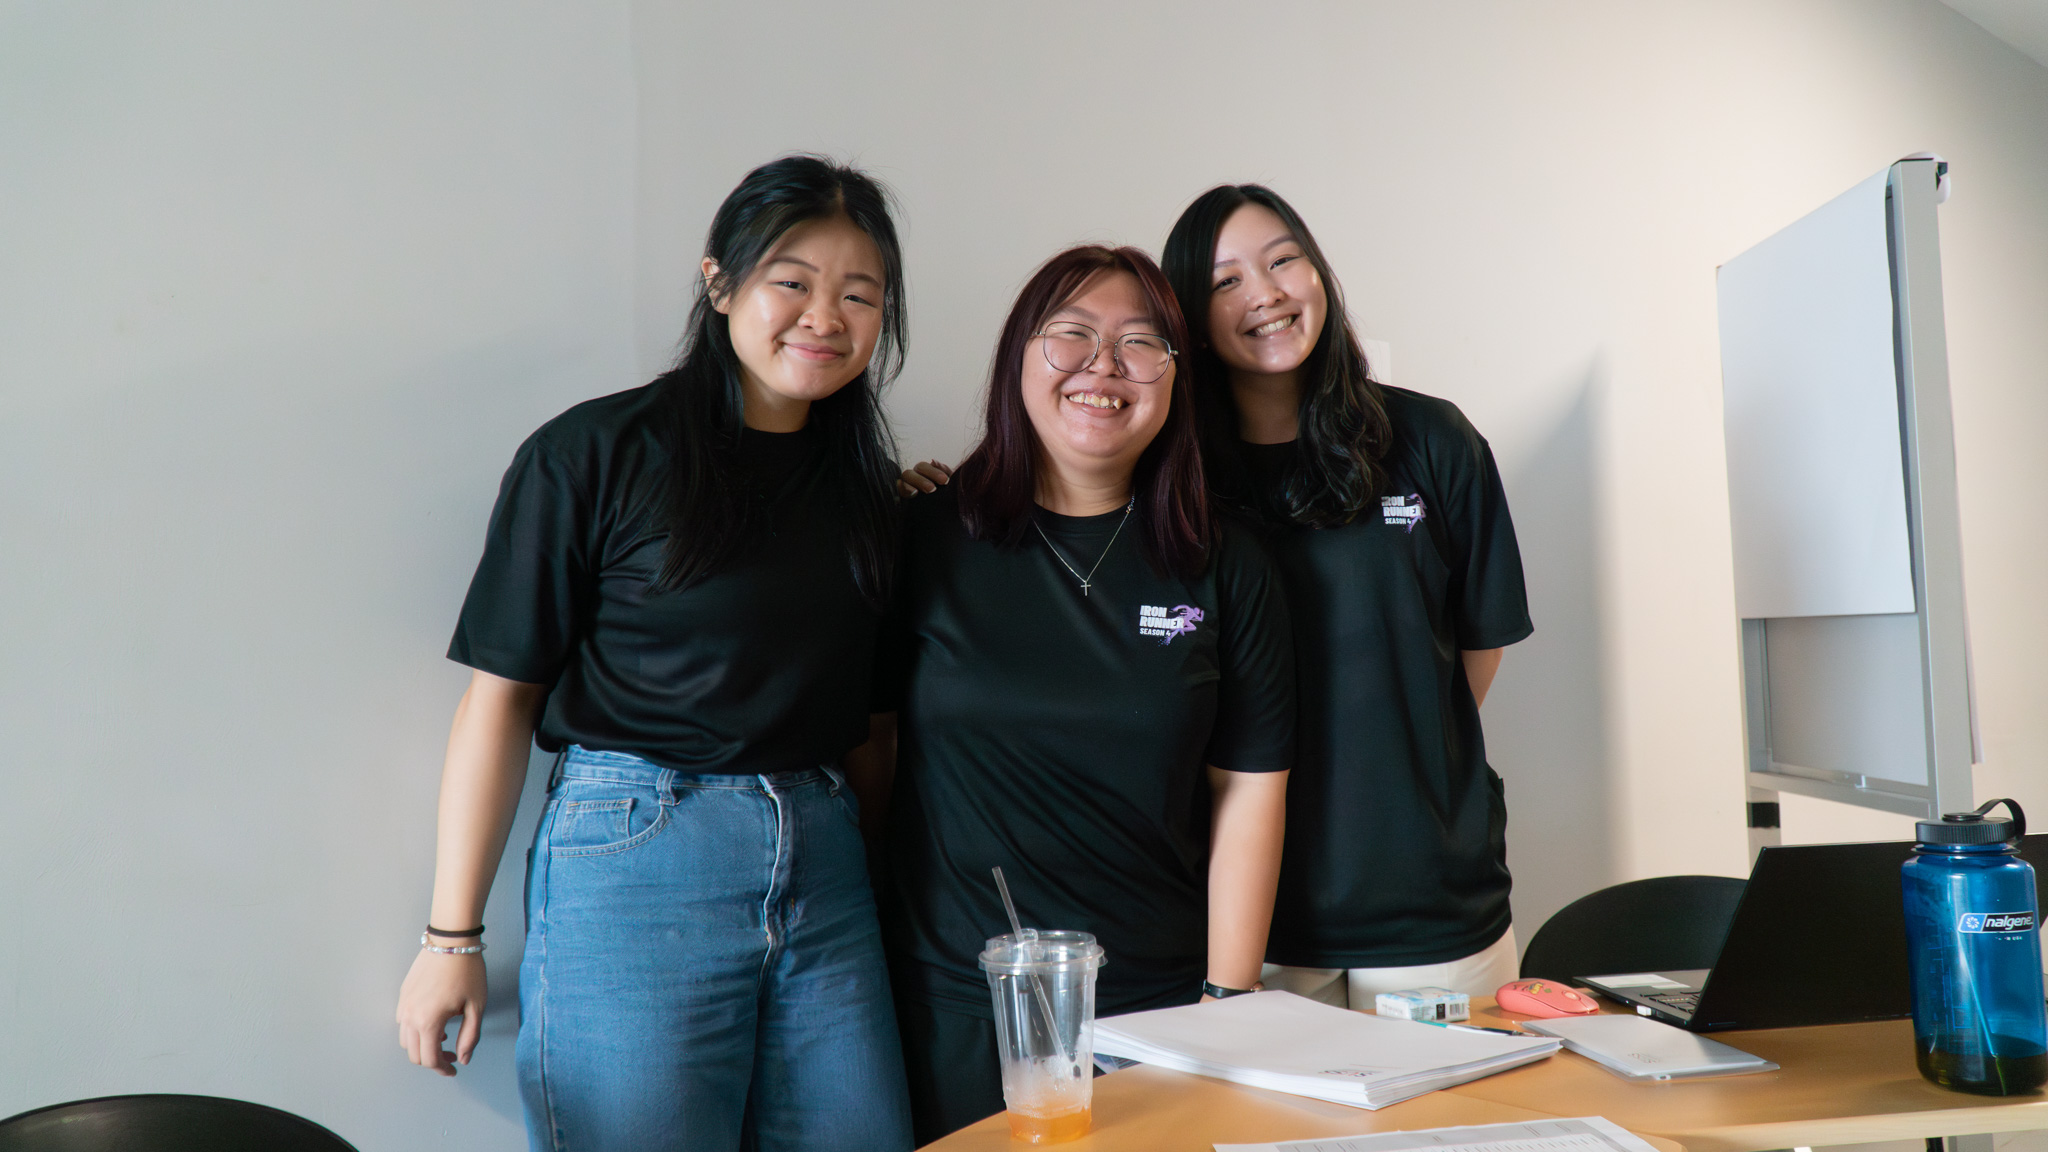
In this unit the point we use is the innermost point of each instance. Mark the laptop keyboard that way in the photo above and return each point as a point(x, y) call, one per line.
point(1676, 1001)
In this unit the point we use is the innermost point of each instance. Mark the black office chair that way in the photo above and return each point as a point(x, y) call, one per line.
point(164, 1123)
point(1657, 925)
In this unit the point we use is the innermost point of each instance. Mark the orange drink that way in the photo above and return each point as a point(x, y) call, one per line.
point(1049, 1129)
point(1042, 986)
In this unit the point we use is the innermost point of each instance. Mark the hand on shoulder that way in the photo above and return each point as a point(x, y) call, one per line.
point(924, 478)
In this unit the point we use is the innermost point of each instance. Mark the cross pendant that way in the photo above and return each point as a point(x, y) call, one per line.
point(1084, 587)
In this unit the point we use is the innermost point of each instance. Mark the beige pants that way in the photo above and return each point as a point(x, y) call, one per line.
point(1479, 974)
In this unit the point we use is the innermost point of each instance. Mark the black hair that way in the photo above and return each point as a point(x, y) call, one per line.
point(1344, 430)
point(704, 504)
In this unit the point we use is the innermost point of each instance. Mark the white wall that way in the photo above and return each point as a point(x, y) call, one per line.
point(282, 288)
point(1529, 202)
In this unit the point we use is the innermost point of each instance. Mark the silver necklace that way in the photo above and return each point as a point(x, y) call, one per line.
point(1088, 581)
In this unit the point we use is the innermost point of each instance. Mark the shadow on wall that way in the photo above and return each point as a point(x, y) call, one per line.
point(1546, 718)
point(492, 1077)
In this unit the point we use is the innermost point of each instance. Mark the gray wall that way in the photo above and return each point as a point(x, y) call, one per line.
point(283, 287)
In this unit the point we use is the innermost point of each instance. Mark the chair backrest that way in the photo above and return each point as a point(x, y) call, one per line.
point(1657, 925)
point(164, 1123)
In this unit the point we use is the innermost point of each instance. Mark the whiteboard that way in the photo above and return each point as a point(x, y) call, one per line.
point(1816, 474)
point(1845, 697)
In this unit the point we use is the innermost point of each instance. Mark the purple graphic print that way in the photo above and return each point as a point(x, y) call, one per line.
point(1178, 622)
point(1406, 511)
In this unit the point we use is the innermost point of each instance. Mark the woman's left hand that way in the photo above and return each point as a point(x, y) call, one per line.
point(925, 477)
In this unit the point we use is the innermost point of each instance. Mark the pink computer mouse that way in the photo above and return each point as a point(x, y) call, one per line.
point(1543, 998)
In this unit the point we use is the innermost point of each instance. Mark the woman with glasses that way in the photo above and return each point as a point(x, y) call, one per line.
point(679, 591)
point(1095, 685)
point(1384, 511)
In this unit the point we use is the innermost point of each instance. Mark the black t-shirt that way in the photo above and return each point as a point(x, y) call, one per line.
point(1066, 738)
point(1396, 847)
point(763, 666)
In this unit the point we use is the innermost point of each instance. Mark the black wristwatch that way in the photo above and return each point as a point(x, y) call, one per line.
point(1219, 992)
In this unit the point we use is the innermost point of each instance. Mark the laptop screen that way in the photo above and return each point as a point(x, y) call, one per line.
point(1820, 938)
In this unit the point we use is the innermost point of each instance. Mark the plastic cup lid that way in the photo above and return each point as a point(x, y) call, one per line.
point(1039, 953)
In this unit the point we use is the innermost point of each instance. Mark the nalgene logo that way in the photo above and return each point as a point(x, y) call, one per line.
point(1995, 922)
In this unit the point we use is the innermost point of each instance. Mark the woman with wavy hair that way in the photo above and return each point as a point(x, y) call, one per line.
point(1386, 517)
point(1093, 683)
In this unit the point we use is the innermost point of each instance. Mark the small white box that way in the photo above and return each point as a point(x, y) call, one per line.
point(1439, 1004)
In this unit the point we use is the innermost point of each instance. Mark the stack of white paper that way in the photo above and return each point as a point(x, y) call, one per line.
point(1291, 1044)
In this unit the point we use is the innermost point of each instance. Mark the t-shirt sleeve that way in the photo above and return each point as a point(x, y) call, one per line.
point(1254, 730)
point(1488, 601)
point(535, 584)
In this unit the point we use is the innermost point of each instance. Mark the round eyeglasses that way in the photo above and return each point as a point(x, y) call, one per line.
point(1140, 356)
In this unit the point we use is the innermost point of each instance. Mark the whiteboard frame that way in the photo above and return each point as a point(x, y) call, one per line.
point(1927, 442)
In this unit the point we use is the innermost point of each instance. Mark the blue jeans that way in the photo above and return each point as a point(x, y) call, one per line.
point(703, 969)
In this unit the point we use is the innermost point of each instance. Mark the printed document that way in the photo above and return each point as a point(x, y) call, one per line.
point(1584, 1134)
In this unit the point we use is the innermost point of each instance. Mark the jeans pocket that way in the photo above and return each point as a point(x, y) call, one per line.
point(610, 824)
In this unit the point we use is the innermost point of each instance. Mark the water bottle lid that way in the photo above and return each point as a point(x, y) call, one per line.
point(1973, 827)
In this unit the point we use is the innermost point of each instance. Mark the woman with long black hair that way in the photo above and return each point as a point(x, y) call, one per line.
point(679, 591)
point(1385, 513)
point(1095, 687)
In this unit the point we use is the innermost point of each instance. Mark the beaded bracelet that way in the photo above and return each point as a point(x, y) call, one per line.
point(465, 950)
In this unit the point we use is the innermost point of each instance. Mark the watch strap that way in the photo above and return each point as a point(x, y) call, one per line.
point(1219, 992)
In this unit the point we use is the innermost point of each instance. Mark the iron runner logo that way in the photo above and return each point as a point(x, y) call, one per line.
point(1156, 620)
point(1995, 922)
point(1404, 511)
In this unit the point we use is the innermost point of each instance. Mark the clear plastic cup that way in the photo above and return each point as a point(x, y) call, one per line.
point(1043, 985)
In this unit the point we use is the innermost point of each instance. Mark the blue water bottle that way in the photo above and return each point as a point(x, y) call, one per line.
point(1973, 942)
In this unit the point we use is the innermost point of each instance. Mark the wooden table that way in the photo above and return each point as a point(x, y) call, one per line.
point(1837, 1084)
point(1160, 1111)
point(1842, 1084)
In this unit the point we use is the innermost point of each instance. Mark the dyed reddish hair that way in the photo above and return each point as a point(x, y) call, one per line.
point(998, 482)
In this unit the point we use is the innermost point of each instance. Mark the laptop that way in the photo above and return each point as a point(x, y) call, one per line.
point(1819, 938)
